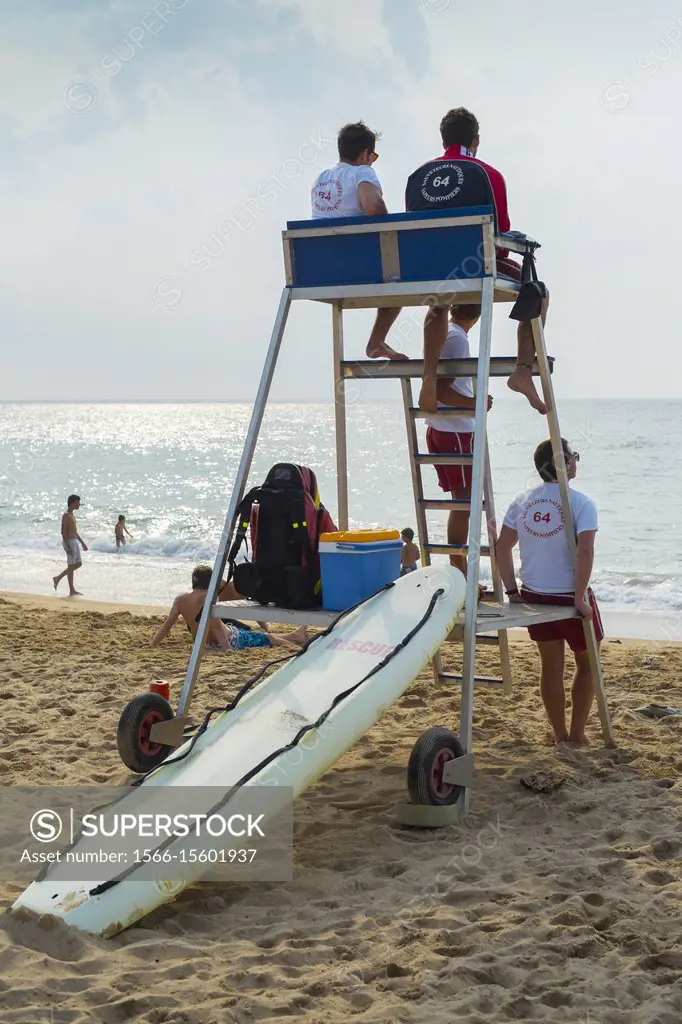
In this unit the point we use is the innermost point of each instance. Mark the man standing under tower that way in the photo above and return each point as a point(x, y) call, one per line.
point(454, 434)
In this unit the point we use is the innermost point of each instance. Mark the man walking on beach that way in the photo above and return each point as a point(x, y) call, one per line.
point(72, 544)
point(454, 435)
point(535, 520)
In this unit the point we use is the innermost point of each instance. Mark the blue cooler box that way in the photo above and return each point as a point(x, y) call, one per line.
point(354, 569)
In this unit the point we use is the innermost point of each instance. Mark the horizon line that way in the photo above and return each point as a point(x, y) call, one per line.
point(299, 401)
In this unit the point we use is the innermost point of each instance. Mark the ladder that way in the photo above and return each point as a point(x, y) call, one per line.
point(422, 505)
point(319, 267)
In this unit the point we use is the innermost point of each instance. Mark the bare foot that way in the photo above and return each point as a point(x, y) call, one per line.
point(582, 741)
point(75, 593)
point(521, 381)
point(55, 580)
point(384, 351)
point(299, 636)
point(428, 401)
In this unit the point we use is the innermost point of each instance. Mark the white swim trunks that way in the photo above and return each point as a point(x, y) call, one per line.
point(73, 551)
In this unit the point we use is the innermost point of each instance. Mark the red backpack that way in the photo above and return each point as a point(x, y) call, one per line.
point(285, 518)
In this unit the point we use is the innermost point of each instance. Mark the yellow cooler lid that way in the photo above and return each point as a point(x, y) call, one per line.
point(360, 536)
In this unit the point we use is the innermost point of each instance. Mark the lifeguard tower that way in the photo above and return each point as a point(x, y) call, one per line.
point(412, 259)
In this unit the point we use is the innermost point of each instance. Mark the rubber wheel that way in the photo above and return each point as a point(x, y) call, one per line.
point(136, 749)
point(431, 752)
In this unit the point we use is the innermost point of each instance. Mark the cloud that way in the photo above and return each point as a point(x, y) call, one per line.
point(142, 144)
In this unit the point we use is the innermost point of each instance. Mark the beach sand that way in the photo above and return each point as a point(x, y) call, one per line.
point(561, 906)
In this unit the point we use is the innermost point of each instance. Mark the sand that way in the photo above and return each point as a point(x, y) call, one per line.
point(561, 906)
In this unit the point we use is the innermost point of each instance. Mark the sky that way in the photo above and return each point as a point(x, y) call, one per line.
point(152, 151)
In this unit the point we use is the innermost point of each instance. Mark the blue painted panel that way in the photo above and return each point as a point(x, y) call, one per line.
point(440, 254)
point(434, 254)
point(336, 260)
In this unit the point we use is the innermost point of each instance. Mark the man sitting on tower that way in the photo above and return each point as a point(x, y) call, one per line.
point(352, 189)
point(459, 131)
point(535, 520)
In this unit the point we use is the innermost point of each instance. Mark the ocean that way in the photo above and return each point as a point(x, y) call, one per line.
point(169, 469)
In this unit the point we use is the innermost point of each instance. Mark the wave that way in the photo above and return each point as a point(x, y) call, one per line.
point(159, 547)
point(651, 591)
point(162, 547)
point(644, 591)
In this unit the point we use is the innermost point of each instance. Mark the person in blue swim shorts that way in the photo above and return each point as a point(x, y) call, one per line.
point(227, 636)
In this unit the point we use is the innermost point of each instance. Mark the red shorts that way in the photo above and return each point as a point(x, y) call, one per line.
point(508, 268)
point(447, 442)
point(570, 630)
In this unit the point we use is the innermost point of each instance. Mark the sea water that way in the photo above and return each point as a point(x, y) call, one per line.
point(169, 469)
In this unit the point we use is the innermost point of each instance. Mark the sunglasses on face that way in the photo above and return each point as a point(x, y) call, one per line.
point(573, 455)
point(373, 157)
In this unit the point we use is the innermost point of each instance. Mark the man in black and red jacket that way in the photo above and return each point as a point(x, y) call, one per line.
point(460, 136)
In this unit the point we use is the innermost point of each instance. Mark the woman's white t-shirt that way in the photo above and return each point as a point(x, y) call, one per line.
point(335, 193)
point(538, 518)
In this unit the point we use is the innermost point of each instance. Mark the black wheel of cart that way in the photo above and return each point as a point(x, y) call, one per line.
point(136, 748)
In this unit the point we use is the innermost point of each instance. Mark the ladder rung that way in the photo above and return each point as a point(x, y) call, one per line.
point(460, 549)
point(456, 677)
point(424, 459)
point(500, 366)
point(447, 504)
point(457, 636)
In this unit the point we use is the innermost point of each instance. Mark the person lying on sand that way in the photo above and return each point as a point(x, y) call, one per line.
point(535, 521)
point(227, 636)
point(352, 189)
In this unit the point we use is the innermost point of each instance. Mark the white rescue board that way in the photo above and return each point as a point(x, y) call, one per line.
point(269, 717)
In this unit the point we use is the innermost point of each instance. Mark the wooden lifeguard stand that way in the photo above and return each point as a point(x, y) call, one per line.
point(413, 259)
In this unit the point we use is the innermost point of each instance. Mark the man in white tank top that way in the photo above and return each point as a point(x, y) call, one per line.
point(454, 435)
point(535, 520)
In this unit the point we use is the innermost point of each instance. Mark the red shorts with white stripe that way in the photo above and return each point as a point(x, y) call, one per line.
point(570, 630)
point(446, 442)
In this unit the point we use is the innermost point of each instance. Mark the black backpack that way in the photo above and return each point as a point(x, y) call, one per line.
point(285, 517)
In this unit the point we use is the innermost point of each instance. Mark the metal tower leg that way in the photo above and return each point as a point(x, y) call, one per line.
point(475, 520)
point(340, 418)
point(237, 495)
point(562, 478)
point(498, 589)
